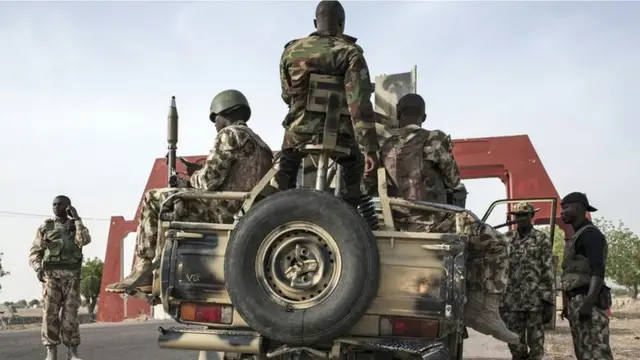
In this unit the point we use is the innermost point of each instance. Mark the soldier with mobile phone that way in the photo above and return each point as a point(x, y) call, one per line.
point(56, 257)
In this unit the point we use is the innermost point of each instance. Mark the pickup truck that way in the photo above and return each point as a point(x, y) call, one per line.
point(301, 273)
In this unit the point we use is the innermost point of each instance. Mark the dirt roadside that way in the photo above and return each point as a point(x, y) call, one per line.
point(625, 343)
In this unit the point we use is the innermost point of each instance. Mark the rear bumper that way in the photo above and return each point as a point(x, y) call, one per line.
point(249, 342)
point(184, 338)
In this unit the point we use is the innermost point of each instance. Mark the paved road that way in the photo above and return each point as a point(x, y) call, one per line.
point(137, 341)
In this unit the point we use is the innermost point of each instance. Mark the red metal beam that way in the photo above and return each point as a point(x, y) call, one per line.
point(512, 159)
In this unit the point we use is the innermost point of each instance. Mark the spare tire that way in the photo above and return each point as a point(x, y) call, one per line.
point(301, 267)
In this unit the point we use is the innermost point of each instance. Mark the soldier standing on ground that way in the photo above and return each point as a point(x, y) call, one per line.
point(528, 302)
point(328, 51)
point(421, 166)
point(239, 159)
point(56, 257)
point(585, 296)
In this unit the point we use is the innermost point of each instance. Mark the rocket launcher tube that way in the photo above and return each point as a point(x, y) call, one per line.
point(172, 141)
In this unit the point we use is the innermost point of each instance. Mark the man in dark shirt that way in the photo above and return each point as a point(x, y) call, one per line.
point(585, 296)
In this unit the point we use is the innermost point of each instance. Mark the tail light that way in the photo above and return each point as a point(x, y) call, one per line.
point(409, 327)
point(206, 313)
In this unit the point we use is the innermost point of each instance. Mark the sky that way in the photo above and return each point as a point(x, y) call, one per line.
point(86, 87)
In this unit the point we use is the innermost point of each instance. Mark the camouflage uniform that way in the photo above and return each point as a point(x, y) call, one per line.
point(57, 250)
point(590, 337)
point(337, 56)
point(237, 162)
point(531, 280)
point(421, 166)
point(239, 159)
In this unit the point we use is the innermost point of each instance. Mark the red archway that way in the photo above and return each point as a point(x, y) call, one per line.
point(512, 159)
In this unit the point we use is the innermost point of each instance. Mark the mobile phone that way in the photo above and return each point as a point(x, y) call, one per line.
point(69, 213)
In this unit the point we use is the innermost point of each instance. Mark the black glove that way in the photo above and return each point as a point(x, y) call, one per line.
point(191, 167)
point(40, 274)
point(547, 311)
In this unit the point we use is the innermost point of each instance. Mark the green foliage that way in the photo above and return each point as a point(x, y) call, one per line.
point(558, 244)
point(2, 272)
point(21, 303)
point(34, 302)
point(623, 260)
point(90, 282)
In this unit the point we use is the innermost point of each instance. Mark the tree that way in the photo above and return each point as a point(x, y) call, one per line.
point(21, 304)
point(34, 302)
point(2, 272)
point(90, 282)
point(623, 260)
point(558, 244)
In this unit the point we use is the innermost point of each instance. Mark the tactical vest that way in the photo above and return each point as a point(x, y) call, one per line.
point(576, 271)
point(61, 251)
point(246, 173)
point(403, 159)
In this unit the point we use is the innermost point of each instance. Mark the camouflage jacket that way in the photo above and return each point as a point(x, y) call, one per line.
point(326, 54)
point(531, 274)
point(430, 173)
point(238, 160)
point(77, 230)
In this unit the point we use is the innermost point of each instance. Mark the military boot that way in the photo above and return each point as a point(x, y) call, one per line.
point(52, 352)
point(142, 277)
point(481, 314)
point(72, 353)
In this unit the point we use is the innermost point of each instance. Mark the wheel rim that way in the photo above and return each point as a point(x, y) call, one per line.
point(298, 264)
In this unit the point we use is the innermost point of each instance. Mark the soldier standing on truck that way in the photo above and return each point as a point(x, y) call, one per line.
point(421, 166)
point(56, 257)
point(327, 51)
point(529, 301)
point(239, 160)
point(585, 296)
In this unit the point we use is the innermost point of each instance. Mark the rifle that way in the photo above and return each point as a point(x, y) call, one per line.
point(172, 141)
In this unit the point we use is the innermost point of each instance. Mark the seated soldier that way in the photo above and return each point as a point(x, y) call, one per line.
point(421, 166)
point(237, 162)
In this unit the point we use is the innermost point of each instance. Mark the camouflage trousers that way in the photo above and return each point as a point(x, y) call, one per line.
point(529, 325)
point(488, 253)
point(291, 158)
point(61, 301)
point(590, 337)
point(197, 210)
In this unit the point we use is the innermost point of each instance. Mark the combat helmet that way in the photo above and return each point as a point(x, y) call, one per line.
point(228, 100)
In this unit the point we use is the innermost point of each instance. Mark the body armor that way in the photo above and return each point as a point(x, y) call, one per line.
point(244, 173)
point(576, 271)
point(61, 251)
point(402, 156)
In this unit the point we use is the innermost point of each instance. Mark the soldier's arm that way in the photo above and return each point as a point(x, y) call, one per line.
point(284, 77)
point(439, 149)
point(37, 251)
point(216, 168)
point(546, 267)
point(83, 237)
point(357, 84)
point(596, 246)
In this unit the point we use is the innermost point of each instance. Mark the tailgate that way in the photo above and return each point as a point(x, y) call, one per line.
point(421, 274)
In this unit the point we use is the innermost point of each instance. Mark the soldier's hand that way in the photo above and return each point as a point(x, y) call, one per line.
point(40, 274)
point(372, 163)
point(584, 311)
point(72, 212)
point(191, 167)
